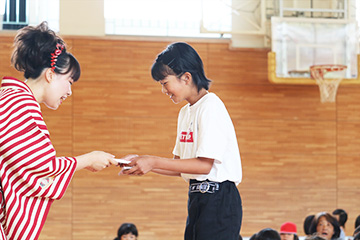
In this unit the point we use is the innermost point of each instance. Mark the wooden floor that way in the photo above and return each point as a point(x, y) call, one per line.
point(299, 156)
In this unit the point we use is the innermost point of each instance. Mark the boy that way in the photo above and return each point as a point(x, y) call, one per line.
point(206, 152)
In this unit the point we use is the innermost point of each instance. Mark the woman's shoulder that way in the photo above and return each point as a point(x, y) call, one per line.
point(19, 97)
point(22, 102)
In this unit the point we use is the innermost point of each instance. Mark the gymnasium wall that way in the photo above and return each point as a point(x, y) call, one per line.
point(299, 156)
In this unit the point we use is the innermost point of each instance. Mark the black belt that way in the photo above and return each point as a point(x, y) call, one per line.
point(203, 186)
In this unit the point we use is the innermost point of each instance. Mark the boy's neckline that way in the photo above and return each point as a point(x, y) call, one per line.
point(201, 97)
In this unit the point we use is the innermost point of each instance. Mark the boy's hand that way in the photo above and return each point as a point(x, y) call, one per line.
point(140, 165)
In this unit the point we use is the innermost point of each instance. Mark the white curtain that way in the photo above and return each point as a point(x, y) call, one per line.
point(44, 10)
point(2, 12)
point(2, 7)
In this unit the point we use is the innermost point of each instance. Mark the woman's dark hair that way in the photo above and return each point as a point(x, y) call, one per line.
point(33, 47)
point(126, 228)
point(307, 224)
point(177, 59)
point(328, 218)
point(342, 216)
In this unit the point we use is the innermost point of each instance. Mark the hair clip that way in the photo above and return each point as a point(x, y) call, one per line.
point(55, 54)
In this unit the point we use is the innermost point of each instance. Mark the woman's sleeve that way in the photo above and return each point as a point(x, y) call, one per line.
point(30, 165)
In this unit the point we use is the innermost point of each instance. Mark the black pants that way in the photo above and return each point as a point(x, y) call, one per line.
point(215, 215)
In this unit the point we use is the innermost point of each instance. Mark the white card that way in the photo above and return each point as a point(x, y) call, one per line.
point(123, 161)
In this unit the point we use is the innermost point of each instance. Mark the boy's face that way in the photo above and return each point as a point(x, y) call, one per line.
point(128, 236)
point(286, 236)
point(174, 88)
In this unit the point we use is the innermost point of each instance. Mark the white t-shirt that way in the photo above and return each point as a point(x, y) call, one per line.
point(205, 130)
point(342, 235)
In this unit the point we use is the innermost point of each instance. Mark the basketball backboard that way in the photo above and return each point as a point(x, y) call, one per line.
point(298, 43)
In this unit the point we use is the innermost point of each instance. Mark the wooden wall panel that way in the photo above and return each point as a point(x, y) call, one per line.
point(348, 139)
point(274, 102)
point(94, 133)
point(348, 174)
point(59, 223)
point(122, 136)
point(122, 99)
point(235, 66)
point(120, 60)
point(154, 200)
point(6, 43)
point(348, 107)
point(285, 171)
point(281, 136)
point(299, 156)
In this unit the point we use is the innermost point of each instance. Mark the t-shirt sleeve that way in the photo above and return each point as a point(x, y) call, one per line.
point(176, 150)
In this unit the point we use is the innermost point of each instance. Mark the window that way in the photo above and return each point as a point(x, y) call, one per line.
point(15, 14)
point(167, 18)
point(19, 13)
point(357, 13)
point(45, 10)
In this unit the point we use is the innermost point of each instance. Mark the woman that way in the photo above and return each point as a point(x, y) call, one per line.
point(31, 175)
point(325, 226)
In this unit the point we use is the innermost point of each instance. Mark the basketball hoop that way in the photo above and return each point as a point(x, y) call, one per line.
point(328, 78)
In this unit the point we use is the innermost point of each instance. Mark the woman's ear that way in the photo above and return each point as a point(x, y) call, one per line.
point(49, 75)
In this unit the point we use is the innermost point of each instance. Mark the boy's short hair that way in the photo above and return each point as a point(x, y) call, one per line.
point(307, 223)
point(342, 216)
point(178, 58)
point(267, 234)
point(127, 228)
point(357, 221)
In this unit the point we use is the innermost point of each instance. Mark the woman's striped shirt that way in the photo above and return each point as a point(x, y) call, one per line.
point(31, 175)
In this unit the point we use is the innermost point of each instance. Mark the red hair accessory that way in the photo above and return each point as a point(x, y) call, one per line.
point(54, 55)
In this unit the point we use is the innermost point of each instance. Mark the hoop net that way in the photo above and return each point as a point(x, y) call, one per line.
point(328, 78)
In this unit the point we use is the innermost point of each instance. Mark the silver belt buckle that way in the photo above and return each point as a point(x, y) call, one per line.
point(204, 187)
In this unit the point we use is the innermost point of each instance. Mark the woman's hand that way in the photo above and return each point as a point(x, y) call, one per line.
point(95, 161)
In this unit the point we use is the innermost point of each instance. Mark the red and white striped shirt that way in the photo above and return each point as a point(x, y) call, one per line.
point(31, 175)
